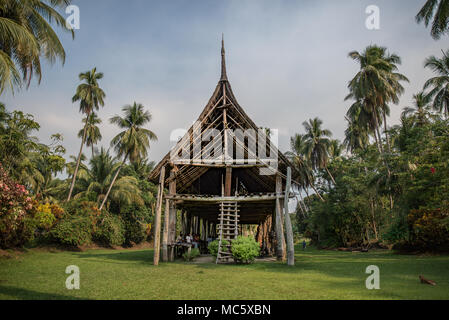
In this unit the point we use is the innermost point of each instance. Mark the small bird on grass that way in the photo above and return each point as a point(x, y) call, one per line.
point(427, 281)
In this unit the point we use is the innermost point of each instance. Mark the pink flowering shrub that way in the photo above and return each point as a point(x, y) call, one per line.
point(16, 212)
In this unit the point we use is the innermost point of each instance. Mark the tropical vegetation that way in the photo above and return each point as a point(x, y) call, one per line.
point(388, 187)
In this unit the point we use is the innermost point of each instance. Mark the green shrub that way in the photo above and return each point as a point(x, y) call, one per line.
point(189, 256)
point(244, 249)
point(213, 247)
point(109, 231)
point(135, 224)
point(429, 229)
point(72, 231)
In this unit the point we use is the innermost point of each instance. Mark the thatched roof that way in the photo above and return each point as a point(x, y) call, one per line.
point(222, 111)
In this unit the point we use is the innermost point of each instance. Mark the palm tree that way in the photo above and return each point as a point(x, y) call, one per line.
point(133, 142)
point(420, 111)
point(142, 168)
point(26, 35)
point(91, 97)
point(376, 85)
point(317, 145)
point(440, 84)
point(335, 149)
point(93, 134)
point(300, 161)
point(98, 179)
point(439, 11)
point(356, 135)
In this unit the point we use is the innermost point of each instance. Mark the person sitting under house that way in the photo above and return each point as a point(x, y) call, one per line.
point(196, 240)
point(188, 239)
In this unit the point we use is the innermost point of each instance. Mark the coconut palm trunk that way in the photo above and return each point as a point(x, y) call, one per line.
point(317, 193)
point(387, 138)
point(78, 161)
point(112, 183)
point(329, 173)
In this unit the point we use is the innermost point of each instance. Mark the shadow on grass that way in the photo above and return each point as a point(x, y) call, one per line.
point(26, 294)
point(141, 256)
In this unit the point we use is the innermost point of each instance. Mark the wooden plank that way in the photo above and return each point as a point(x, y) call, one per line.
point(228, 181)
point(220, 199)
point(157, 224)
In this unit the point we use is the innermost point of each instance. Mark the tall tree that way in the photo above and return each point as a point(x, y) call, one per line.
point(26, 35)
point(376, 85)
point(439, 84)
point(93, 134)
point(91, 97)
point(133, 142)
point(439, 11)
point(317, 144)
point(303, 169)
point(98, 179)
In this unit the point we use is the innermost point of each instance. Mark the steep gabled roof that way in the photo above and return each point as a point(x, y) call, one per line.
point(222, 111)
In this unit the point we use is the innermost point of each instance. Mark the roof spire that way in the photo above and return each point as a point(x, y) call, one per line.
point(224, 77)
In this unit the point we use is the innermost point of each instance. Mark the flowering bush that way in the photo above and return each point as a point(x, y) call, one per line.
point(47, 215)
point(16, 212)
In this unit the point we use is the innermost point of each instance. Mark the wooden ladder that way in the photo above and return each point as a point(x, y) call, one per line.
point(228, 228)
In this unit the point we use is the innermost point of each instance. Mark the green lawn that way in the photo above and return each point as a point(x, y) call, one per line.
point(129, 274)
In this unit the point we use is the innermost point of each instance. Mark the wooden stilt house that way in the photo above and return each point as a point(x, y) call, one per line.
point(223, 173)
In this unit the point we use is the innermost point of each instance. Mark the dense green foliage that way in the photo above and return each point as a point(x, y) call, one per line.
point(73, 231)
point(109, 230)
point(213, 247)
point(31, 195)
point(391, 189)
point(245, 249)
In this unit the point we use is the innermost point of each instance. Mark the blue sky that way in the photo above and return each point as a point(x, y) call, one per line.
point(287, 62)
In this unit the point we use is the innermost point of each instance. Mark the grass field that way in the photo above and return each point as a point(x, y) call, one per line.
point(129, 274)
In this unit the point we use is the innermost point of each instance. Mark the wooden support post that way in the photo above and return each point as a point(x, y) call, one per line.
point(228, 179)
point(172, 218)
point(165, 231)
point(280, 249)
point(157, 224)
point(288, 223)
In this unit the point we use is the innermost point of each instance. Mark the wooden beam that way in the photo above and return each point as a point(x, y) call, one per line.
point(228, 181)
point(157, 224)
point(220, 199)
point(288, 223)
